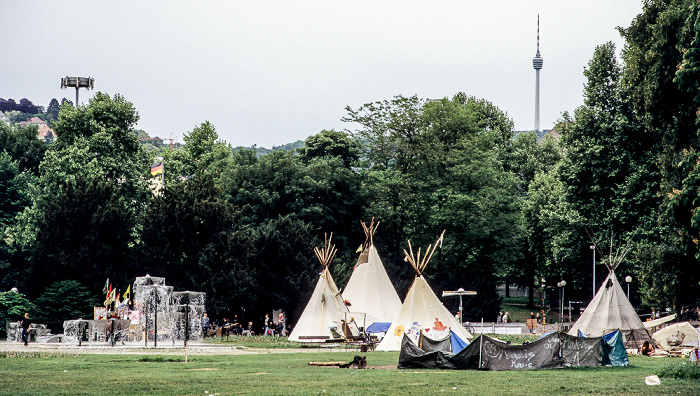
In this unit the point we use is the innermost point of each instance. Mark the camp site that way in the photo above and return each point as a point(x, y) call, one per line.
point(368, 197)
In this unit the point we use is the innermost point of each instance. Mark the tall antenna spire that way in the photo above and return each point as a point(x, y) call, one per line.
point(537, 65)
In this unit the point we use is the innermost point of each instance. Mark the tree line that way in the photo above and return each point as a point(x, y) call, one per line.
point(516, 209)
point(18, 112)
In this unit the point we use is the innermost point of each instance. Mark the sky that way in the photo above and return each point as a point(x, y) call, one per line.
point(272, 72)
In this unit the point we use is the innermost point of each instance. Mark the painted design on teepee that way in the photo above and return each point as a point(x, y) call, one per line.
point(421, 311)
point(398, 330)
point(438, 326)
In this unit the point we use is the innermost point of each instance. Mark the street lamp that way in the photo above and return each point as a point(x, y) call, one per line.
point(459, 292)
point(628, 279)
point(542, 292)
point(593, 249)
point(561, 285)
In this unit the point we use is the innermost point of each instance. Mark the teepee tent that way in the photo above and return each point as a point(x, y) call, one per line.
point(325, 314)
point(422, 311)
point(369, 289)
point(610, 309)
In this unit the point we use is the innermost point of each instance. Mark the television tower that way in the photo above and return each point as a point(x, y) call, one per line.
point(537, 65)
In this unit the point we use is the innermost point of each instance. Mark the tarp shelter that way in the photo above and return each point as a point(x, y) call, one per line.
point(421, 311)
point(554, 351)
point(677, 335)
point(325, 314)
point(369, 289)
point(651, 324)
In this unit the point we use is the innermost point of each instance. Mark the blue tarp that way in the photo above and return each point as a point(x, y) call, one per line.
point(457, 343)
point(614, 352)
point(378, 327)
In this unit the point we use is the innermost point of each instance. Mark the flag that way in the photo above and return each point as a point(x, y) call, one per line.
point(157, 169)
point(104, 289)
point(127, 293)
point(118, 295)
point(360, 249)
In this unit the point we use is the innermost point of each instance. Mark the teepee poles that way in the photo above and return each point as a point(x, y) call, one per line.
point(419, 262)
point(369, 232)
point(325, 255)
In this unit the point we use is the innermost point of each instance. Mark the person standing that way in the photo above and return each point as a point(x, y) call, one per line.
point(281, 329)
point(268, 330)
point(26, 322)
point(205, 326)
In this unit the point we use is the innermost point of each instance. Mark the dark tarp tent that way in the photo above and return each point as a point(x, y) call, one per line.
point(553, 351)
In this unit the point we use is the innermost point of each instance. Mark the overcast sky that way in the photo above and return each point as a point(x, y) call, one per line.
point(273, 72)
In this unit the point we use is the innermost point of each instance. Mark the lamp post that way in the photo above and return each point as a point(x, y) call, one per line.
point(542, 292)
point(628, 279)
point(593, 249)
point(459, 292)
point(561, 285)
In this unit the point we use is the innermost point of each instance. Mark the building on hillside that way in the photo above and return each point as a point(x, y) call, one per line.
point(33, 121)
point(553, 133)
point(45, 132)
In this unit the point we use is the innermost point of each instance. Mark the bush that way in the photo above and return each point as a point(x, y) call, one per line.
point(684, 370)
point(12, 308)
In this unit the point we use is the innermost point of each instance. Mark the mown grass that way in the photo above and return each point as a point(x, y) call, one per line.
point(288, 373)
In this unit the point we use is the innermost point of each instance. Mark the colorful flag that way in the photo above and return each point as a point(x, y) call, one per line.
point(360, 249)
point(118, 295)
point(157, 169)
point(104, 289)
point(127, 293)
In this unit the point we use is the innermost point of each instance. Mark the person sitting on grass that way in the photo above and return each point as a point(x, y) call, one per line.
point(647, 349)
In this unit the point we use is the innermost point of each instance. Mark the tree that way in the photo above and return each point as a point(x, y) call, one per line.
point(64, 300)
point(328, 144)
point(23, 146)
point(52, 110)
point(185, 235)
point(93, 185)
point(436, 165)
point(658, 78)
point(13, 305)
point(202, 152)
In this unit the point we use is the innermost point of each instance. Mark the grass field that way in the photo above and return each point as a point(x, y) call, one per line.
point(284, 372)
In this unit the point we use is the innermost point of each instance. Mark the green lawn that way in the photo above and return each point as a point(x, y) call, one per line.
point(277, 373)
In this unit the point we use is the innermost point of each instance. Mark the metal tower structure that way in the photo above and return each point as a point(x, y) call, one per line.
point(537, 65)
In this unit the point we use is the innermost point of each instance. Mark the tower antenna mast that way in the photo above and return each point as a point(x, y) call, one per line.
point(537, 65)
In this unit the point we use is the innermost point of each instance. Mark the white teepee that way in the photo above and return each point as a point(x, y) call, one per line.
point(369, 289)
point(325, 313)
point(421, 309)
point(610, 309)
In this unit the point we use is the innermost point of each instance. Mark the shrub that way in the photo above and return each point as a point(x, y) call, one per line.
point(683, 370)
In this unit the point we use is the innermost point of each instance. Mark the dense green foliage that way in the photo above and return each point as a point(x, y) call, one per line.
point(241, 226)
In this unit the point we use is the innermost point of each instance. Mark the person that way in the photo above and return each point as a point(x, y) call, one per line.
point(281, 329)
point(647, 349)
point(533, 320)
point(505, 317)
point(205, 325)
point(25, 322)
point(248, 331)
point(268, 330)
point(499, 318)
